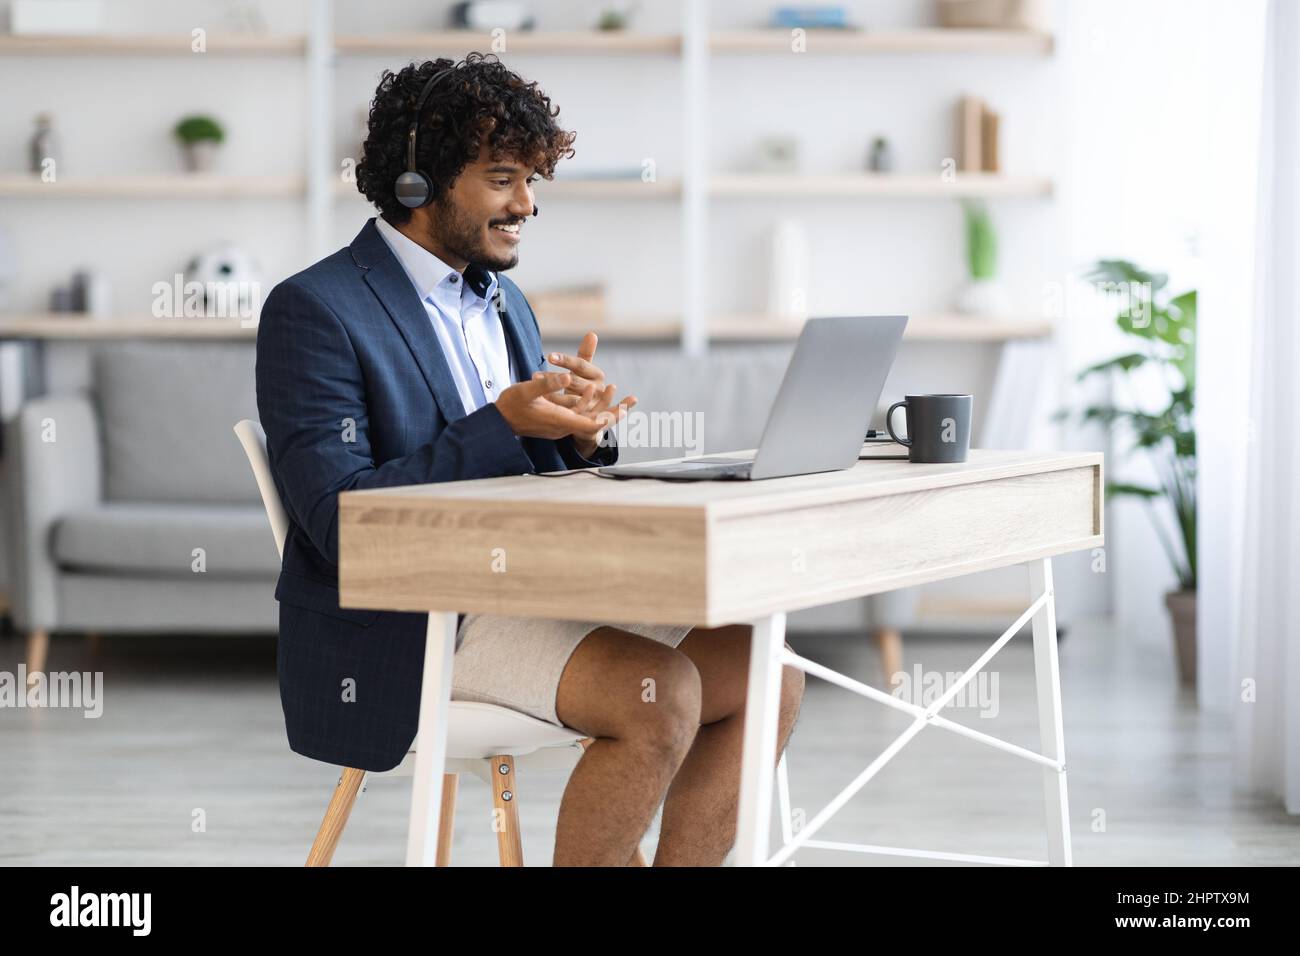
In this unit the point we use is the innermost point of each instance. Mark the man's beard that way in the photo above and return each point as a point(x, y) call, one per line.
point(463, 236)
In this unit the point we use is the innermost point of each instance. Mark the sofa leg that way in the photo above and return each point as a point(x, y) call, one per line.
point(38, 648)
point(93, 649)
point(336, 817)
point(890, 642)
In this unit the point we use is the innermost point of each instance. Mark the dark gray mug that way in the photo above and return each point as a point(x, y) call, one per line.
point(938, 427)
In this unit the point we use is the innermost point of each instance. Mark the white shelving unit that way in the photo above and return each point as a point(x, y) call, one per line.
point(318, 184)
point(700, 189)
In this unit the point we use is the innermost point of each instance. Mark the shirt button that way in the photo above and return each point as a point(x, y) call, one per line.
point(453, 279)
point(488, 383)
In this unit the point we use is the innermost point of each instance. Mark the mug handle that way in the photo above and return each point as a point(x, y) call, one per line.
point(889, 424)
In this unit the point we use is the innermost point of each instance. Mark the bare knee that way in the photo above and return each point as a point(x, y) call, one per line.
point(667, 715)
point(626, 687)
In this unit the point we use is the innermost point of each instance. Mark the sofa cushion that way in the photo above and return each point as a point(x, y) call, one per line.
point(167, 410)
point(160, 539)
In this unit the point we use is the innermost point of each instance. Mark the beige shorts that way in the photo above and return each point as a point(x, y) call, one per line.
point(517, 662)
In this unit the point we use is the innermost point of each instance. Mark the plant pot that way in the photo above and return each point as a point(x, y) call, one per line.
point(1182, 613)
point(199, 156)
point(983, 297)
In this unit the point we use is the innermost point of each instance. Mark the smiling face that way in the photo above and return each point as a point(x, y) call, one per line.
point(479, 218)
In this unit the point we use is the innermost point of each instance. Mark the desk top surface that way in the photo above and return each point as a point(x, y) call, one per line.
point(867, 479)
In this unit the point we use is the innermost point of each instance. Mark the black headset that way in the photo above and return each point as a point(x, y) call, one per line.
point(413, 187)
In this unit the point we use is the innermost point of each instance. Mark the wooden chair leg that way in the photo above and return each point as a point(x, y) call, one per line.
point(505, 811)
point(93, 650)
point(638, 858)
point(447, 823)
point(38, 648)
point(336, 817)
point(890, 642)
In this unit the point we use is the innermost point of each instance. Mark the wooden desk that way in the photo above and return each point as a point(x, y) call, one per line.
point(712, 553)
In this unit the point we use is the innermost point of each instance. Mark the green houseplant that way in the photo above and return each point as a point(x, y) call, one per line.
point(1162, 328)
point(983, 294)
point(199, 137)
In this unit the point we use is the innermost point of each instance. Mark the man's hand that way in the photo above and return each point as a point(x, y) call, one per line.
point(588, 394)
point(528, 410)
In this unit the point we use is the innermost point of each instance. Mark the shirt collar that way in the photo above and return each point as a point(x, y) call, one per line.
point(427, 272)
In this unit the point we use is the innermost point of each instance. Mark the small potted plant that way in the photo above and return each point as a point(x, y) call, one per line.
point(983, 294)
point(1163, 330)
point(199, 137)
point(616, 16)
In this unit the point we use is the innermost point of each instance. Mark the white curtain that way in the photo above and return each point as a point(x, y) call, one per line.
point(1261, 550)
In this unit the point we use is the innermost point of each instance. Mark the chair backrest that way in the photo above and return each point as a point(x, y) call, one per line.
point(253, 439)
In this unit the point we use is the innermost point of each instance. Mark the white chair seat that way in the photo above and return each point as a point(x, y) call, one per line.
point(478, 731)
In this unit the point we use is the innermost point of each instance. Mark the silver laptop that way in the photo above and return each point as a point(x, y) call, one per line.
point(821, 414)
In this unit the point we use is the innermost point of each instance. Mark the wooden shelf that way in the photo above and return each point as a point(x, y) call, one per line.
point(934, 327)
point(942, 327)
point(879, 186)
point(597, 42)
point(635, 330)
point(611, 188)
point(160, 186)
point(171, 44)
point(601, 189)
point(517, 41)
point(735, 185)
point(924, 40)
point(72, 327)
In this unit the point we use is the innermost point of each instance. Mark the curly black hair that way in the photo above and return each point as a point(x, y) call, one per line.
point(483, 97)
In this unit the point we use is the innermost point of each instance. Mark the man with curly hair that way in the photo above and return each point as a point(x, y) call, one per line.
point(408, 358)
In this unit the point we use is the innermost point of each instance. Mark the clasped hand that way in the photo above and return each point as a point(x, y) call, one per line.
point(575, 402)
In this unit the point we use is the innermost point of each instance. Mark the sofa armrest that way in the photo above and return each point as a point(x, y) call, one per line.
point(52, 467)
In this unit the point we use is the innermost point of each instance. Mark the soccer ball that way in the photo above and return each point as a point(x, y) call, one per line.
point(231, 280)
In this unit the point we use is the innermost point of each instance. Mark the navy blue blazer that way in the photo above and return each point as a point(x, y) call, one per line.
point(353, 392)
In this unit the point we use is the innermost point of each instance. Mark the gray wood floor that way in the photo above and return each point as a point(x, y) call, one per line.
point(194, 724)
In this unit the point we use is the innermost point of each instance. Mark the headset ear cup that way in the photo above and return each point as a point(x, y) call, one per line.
point(413, 189)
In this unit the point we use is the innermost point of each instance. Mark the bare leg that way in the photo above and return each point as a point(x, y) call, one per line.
point(699, 818)
point(640, 700)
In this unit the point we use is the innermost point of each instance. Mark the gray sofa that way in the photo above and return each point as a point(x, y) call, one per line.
point(119, 494)
point(131, 506)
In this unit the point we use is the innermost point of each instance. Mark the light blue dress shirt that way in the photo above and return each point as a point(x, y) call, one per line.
point(467, 325)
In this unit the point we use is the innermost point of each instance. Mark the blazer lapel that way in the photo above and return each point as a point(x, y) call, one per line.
point(386, 277)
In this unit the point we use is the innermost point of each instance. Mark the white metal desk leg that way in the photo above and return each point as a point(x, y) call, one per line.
point(783, 800)
point(431, 747)
point(758, 756)
point(1051, 730)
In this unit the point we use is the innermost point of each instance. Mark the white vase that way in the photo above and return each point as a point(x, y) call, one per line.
point(983, 297)
point(199, 156)
point(788, 271)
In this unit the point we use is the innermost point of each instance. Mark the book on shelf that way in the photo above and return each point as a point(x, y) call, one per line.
point(978, 136)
